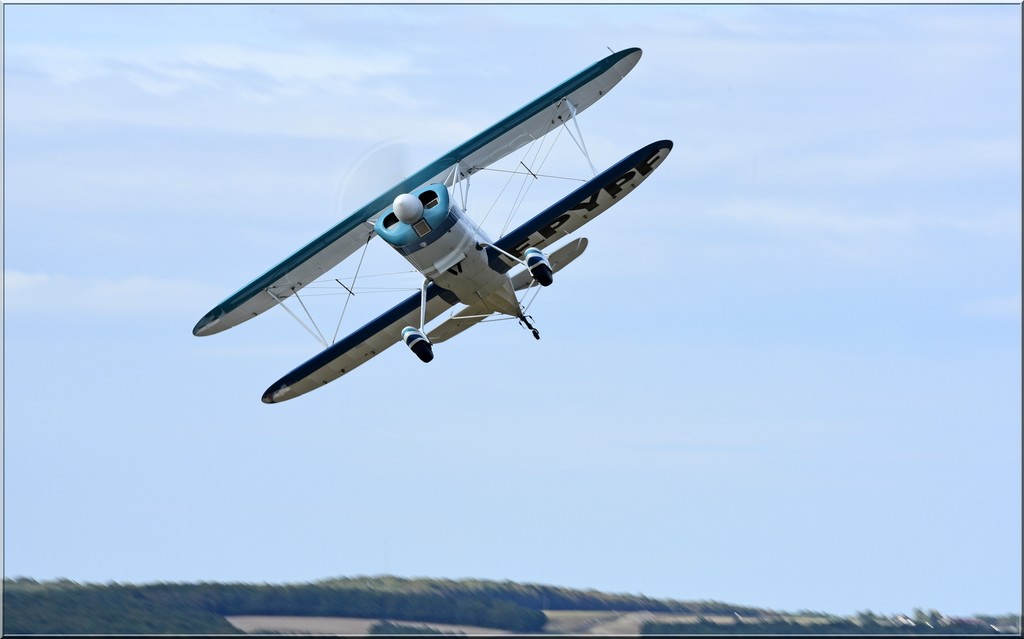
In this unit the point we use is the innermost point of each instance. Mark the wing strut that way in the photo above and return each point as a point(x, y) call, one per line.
point(580, 144)
point(423, 304)
point(318, 335)
point(455, 178)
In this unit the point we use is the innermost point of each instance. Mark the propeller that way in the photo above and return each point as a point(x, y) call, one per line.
point(376, 169)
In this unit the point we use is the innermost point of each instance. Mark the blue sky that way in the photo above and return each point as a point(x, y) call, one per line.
point(786, 373)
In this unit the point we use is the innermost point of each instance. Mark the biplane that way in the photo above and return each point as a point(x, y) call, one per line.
point(460, 264)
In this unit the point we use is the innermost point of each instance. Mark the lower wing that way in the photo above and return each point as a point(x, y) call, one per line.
point(359, 347)
point(585, 203)
point(565, 216)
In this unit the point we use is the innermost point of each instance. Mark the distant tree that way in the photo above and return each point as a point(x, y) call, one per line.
point(867, 618)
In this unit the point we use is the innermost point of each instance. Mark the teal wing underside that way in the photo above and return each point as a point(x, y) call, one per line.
point(325, 252)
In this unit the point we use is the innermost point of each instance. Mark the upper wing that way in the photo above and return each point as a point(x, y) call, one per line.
point(585, 203)
point(359, 347)
point(325, 252)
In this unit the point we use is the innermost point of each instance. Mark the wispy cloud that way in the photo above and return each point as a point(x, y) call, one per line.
point(901, 161)
point(1003, 307)
point(827, 219)
point(307, 91)
point(171, 70)
point(135, 295)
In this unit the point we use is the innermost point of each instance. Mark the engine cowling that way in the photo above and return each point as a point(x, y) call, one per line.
point(540, 267)
point(416, 219)
point(418, 343)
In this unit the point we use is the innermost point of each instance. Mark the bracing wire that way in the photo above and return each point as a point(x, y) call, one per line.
point(526, 153)
point(540, 175)
point(497, 199)
point(527, 185)
point(350, 287)
point(536, 291)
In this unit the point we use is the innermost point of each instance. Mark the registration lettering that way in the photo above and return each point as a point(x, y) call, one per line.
point(599, 201)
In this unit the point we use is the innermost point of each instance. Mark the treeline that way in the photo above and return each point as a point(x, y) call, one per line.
point(540, 597)
point(321, 600)
point(66, 607)
point(833, 627)
point(388, 628)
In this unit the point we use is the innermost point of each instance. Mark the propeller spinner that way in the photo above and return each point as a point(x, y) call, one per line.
point(408, 208)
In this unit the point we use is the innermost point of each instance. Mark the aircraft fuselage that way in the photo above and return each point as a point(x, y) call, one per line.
point(449, 249)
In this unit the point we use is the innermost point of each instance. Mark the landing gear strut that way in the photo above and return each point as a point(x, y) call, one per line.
point(523, 321)
point(416, 338)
